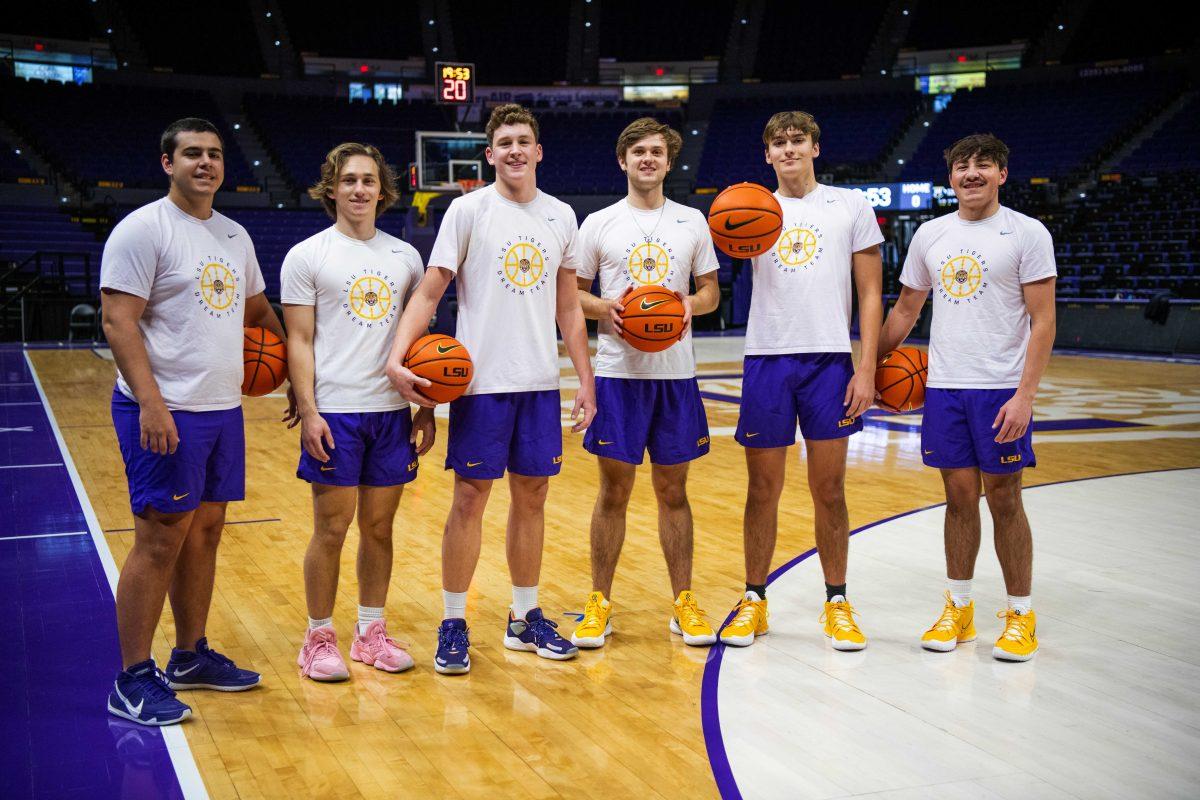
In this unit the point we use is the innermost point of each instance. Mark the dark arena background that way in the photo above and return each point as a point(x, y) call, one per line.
point(1099, 105)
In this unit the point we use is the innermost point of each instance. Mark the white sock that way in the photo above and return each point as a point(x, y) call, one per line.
point(454, 605)
point(313, 624)
point(960, 592)
point(524, 600)
point(367, 615)
point(1022, 605)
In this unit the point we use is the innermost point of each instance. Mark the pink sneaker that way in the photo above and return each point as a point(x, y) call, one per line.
point(379, 650)
point(320, 658)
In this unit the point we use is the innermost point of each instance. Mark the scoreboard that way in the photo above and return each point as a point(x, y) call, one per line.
point(454, 83)
point(914, 196)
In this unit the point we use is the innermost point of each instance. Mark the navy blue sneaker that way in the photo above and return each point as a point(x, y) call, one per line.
point(207, 669)
point(453, 642)
point(141, 695)
point(538, 634)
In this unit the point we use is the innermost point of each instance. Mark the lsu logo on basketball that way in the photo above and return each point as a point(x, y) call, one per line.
point(1013, 459)
point(455, 372)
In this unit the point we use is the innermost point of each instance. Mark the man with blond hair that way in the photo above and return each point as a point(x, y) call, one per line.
point(645, 401)
point(343, 291)
point(799, 368)
point(512, 249)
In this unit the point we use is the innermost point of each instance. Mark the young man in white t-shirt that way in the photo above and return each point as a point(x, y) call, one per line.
point(992, 273)
point(512, 250)
point(178, 282)
point(799, 367)
point(343, 291)
point(645, 401)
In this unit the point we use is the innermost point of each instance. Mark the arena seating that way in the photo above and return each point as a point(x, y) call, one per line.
point(856, 132)
point(1174, 146)
point(299, 134)
point(25, 231)
point(579, 147)
point(1052, 129)
point(536, 57)
point(670, 30)
point(13, 167)
point(394, 32)
point(75, 128)
point(936, 26)
point(236, 52)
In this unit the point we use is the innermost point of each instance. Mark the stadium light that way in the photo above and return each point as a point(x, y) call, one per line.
point(237, 126)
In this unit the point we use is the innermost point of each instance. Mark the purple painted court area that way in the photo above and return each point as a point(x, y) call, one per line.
point(59, 628)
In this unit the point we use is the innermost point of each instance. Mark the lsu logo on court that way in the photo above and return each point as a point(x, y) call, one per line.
point(843, 423)
point(703, 440)
point(1013, 459)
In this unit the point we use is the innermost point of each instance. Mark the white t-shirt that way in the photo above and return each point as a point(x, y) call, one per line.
point(195, 276)
point(631, 247)
point(506, 257)
point(802, 285)
point(358, 290)
point(980, 325)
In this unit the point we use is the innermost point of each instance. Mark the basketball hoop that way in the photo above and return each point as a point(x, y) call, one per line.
point(469, 185)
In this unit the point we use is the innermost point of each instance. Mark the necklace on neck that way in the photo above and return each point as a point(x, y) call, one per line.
point(648, 237)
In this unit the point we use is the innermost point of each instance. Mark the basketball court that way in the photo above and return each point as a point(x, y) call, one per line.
point(1108, 708)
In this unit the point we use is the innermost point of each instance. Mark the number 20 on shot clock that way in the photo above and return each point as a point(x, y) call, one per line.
point(455, 83)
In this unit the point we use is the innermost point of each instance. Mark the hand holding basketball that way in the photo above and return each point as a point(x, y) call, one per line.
point(652, 319)
point(443, 367)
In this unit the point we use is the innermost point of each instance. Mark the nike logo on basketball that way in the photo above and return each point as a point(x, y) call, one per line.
point(192, 668)
point(733, 226)
point(647, 306)
point(328, 469)
point(474, 463)
point(178, 497)
point(601, 442)
point(443, 349)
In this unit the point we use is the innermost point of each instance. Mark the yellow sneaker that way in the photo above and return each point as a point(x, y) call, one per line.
point(689, 622)
point(954, 627)
point(840, 626)
point(591, 632)
point(1019, 640)
point(749, 621)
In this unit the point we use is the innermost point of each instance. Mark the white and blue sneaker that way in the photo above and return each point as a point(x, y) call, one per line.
point(141, 694)
point(452, 656)
point(207, 669)
point(537, 634)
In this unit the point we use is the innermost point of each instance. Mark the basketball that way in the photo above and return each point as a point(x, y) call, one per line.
point(264, 362)
point(653, 318)
point(745, 220)
point(900, 379)
point(444, 362)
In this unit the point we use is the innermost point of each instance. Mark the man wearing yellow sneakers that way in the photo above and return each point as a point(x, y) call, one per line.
point(992, 271)
point(645, 401)
point(799, 369)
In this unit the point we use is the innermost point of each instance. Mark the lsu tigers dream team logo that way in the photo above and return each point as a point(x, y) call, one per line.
point(523, 265)
point(648, 262)
point(368, 298)
point(799, 248)
point(217, 291)
point(963, 276)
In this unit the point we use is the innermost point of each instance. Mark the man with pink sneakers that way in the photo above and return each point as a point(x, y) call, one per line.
point(343, 291)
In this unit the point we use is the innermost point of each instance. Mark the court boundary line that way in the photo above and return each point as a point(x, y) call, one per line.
point(43, 536)
point(710, 717)
point(184, 763)
point(29, 466)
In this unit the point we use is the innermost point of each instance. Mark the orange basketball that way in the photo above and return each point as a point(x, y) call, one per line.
point(745, 220)
point(653, 318)
point(264, 362)
point(900, 379)
point(444, 362)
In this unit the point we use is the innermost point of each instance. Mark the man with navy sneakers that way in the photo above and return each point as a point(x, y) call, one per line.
point(178, 282)
point(512, 249)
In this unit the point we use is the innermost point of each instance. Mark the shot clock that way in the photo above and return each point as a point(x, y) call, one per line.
point(455, 83)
